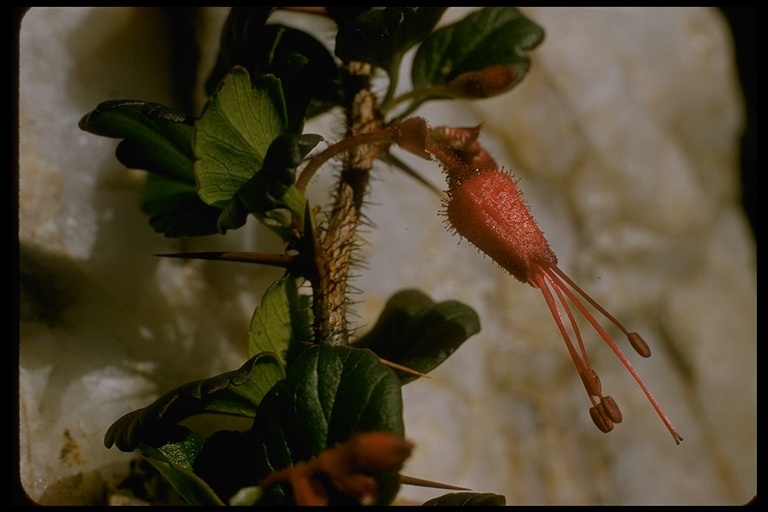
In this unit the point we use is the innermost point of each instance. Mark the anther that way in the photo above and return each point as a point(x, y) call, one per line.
point(591, 381)
point(639, 344)
point(611, 409)
point(602, 421)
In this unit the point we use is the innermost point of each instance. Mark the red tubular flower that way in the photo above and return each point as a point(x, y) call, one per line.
point(485, 207)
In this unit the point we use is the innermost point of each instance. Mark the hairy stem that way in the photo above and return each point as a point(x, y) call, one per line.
point(335, 246)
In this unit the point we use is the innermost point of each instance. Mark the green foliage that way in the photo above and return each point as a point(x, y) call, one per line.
point(307, 70)
point(239, 158)
point(418, 333)
point(157, 140)
point(270, 194)
point(245, 159)
point(234, 133)
point(237, 392)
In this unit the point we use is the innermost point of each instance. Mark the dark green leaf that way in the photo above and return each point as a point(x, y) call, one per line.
point(174, 462)
point(329, 394)
point(238, 392)
point(382, 36)
point(307, 70)
point(416, 332)
point(157, 139)
point(482, 55)
point(281, 322)
point(272, 188)
point(237, 48)
point(310, 76)
point(175, 209)
point(235, 129)
point(467, 499)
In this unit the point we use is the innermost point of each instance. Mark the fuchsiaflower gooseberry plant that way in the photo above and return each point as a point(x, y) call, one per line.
point(325, 407)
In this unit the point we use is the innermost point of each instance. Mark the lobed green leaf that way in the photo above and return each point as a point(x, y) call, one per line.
point(270, 194)
point(235, 129)
point(158, 140)
point(175, 209)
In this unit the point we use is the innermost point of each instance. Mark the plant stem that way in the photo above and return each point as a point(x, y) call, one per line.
point(335, 247)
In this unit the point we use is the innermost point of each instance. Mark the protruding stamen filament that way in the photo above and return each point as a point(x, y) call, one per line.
point(538, 279)
point(634, 338)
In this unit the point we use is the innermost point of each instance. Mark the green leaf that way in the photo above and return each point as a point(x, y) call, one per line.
point(329, 394)
point(382, 36)
point(308, 72)
point(174, 461)
point(416, 332)
point(467, 499)
point(480, 56)
point(237, 46)
point(158, 140)
point(282, 323)
point(235, 129)
point(175, 209)
point(272, 188)
point(238, 392)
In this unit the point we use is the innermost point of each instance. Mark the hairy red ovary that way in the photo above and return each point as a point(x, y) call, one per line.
point(488, 210)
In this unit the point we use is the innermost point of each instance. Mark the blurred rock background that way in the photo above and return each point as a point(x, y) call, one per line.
point(626, 138)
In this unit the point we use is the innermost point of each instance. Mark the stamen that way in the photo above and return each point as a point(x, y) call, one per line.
point(616, 350)
point(611, 409)
point(639, 344)
point(602, 421)
point(591, 381)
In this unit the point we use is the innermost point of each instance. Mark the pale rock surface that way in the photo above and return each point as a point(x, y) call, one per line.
point(624, 136)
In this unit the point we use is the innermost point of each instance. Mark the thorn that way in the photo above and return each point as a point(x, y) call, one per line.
point(310, 247)
point(409, 480)
point(396, 162)
point(402, 368)
point(264, 258)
